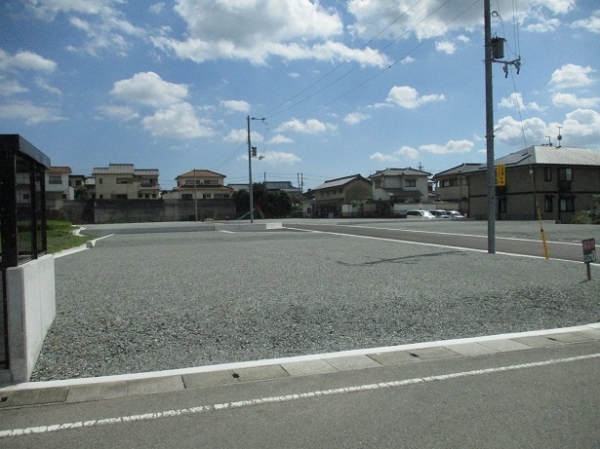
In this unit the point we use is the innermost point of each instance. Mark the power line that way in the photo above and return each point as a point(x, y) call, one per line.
point(397, 60)
point(265, 114)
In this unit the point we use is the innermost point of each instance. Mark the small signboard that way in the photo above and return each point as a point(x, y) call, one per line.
point(501, 175)
point(589, 250)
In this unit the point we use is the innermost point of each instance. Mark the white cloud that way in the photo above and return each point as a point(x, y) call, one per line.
point(278, 157)
point(104, 25)
point(515, 101)
point(172, 115)
point(427, 18)
point(445, 47)
point(42, 84)
point(124, 113)
point(355, 118)
point(407, 60)
point(311, 126)
point(8, 88)
point(580, 128)
point(572, 75)
point(26, 60)
point(592, 24)
point(408, 97)
point(279, 138)
point(402, 153)
point(452, 146)
point(176, 120)
point(254, 30)
point(32, 114)
point(236, 105)
point(241, 135)
point(149, 89)
point(157, 8)
point(570, 100)
point(543, 26)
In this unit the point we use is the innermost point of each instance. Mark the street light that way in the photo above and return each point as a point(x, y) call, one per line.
point(251, 153)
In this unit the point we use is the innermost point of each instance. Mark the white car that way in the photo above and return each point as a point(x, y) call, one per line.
point(418, 213)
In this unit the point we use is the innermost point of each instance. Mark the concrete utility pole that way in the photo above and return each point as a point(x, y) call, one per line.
point(489, 130)
point(250, 155)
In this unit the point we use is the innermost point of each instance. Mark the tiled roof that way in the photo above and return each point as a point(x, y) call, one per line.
point(401, 193)
point(339, 182)
point(59, 169)
point(124, 169)
point(200, 173)
point(399, 172)
point(459, 169)
point(547, 155)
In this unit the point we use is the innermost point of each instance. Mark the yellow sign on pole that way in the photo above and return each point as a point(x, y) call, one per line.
point(500, 175)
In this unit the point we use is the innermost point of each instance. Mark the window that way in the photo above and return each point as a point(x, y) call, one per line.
point(410, 183)
point(378, 183)
point(548, 200)
point(446, 183)
point(567, 204)
point(123, 181)
point(53, 179)
point(565, 174)
point(502, 206)
point(99, 180)
point(186, 196)
point(547, 175)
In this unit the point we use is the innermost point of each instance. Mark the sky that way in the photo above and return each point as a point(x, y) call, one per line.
point(345, 87)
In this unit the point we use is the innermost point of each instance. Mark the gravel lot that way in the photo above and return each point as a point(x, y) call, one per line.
point(146, 302)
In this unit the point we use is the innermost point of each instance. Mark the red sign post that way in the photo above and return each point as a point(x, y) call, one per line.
point(589, 255)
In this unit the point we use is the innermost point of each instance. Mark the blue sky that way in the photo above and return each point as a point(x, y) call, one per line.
point(345, 86)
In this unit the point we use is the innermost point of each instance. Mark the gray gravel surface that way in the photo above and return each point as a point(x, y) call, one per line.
point(147, 302)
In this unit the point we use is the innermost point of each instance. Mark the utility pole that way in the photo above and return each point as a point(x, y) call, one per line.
point(494, 52)
point(489, 130)
point(251, 153)
point(195, 196)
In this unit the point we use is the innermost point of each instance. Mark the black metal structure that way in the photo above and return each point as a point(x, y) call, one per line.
point(22, 213)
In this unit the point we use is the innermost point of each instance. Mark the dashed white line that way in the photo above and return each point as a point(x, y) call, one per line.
point(284, 398)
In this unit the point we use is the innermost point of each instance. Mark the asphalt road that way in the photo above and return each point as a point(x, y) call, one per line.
point(546, 398)
point(457, 234)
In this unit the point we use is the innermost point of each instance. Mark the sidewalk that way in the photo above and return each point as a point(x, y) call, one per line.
point(110, 387)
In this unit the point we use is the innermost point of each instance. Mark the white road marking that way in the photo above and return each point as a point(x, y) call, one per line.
point(285, 398)
point(436, 245)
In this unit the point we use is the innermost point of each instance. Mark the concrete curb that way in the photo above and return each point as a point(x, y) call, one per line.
point(126, 385)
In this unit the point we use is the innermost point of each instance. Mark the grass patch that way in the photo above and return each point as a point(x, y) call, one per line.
point(60, 236)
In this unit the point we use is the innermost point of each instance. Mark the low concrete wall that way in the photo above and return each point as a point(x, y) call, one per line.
point(31, 311)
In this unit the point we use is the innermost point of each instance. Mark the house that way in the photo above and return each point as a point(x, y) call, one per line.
point(560, 180)
point(57, 187)
point(272, 186)
point(394, 190)
point(123, 181)
point(199, 184)
point(330, 197)
point(452, 186)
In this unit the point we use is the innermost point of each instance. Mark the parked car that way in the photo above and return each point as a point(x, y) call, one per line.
point(454, 214)
point(439, 213)
point(418, 213)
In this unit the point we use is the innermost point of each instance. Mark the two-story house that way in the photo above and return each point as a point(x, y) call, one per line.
point(123, 181)
point(394, 190)
point(452, 186)
point(57, 187)
point(558, 180)
point(199, 184)
point(329, 198)
point(272, 186)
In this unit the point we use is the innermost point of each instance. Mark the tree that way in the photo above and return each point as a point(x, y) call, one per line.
point(82, 194)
